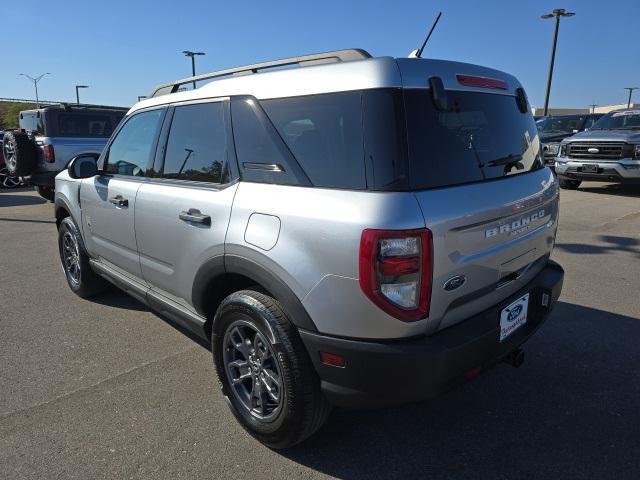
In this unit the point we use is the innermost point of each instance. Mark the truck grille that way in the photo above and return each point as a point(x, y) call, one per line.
point(606, 150)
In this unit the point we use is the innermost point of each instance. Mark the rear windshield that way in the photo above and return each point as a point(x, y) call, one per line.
point(481, 136)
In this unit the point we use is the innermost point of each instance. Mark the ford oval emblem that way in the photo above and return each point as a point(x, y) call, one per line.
point(454, 282)
point(593, 150)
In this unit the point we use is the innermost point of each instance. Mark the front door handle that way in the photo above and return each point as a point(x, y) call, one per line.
point(119, 201)
point(194, 215)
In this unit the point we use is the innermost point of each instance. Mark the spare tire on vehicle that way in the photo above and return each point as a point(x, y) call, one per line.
point(20, 153)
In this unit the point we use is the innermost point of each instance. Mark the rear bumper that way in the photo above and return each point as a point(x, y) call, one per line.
point(378, 374)
point(624, 171)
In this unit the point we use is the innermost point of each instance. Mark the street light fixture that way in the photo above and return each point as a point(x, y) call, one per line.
point(557, 13)
point(631, 89)
point(35, 84)
point(189, 53)
point(78, 94)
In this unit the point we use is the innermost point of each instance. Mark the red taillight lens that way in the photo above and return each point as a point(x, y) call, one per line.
point(482, 82)
point(395, 271)
point(332, 359)
point(49, 154)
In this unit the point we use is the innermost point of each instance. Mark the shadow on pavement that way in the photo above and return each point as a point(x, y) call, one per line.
point(571, 411)
point(628, 190)
point(116, 298)
point(614, 243)
point(9, 200)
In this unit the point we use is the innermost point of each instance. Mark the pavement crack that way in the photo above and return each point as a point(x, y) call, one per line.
point(5, 415)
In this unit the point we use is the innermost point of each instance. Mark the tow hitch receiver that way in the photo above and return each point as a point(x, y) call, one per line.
point(515, 358)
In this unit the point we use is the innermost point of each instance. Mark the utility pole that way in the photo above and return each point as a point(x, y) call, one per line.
point(631, 89)
point(557, 13)
point(189, 53)
point(35, 84)
point(77, 94)
point(593, 107)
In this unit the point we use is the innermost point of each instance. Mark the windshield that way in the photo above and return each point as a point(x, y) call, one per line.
point(625, 120)
point(552, 125)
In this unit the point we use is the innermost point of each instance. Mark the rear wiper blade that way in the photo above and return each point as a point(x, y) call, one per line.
point(508, 160)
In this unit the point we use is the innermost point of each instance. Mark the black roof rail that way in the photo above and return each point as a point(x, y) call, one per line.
point(313, 59)
point(70, 106)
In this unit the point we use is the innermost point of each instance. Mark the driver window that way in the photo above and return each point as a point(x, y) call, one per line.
point(131, 149)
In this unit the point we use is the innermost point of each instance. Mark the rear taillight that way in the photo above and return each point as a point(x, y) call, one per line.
point(395, 271)
point(49, 154)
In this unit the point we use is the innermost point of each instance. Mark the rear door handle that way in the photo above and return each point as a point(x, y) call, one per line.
point(194, 215)
point(119, 201)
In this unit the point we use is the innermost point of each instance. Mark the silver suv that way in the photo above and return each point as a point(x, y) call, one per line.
point(355, 231)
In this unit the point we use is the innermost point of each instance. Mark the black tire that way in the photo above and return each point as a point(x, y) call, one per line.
point(20, 153)
point(8, 181)
point(302, 408)
point(568, 184)
point(84, 282)
point(46, 192)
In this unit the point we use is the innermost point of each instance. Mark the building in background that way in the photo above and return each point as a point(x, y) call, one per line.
point(576, 111)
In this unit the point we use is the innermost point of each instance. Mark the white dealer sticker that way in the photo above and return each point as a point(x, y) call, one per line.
point(513, 316)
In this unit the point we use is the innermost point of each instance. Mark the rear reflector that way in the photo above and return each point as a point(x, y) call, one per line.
point(482, 82)
point(332, 359)
point(49, 154)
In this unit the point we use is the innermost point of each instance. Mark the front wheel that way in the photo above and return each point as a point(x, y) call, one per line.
point(568, 184)
point(75, 261)
point(265, 372)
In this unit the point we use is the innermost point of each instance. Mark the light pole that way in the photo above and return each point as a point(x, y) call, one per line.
point(557, 13)
point(35, 84)
point(189, 53)
point(78, 87)
point(141, 97)
point(631, 89)
point(593, 107)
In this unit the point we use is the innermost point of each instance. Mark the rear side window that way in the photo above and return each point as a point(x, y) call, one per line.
point(197, 144)
point(130, 151)
point(480, 136)
point(324, 133)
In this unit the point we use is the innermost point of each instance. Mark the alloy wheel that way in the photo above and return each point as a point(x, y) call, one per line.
point(71, 257)
point(253, 370)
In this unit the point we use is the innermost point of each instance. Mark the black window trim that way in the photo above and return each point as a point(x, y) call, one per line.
point(123, 122)
point(156, 169)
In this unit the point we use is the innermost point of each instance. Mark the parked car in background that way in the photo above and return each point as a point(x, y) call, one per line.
point(50, 136)
point(555, 128)
point(6, 180)
point(356, 231)
point(608, 152)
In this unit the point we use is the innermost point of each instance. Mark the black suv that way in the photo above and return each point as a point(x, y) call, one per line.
point(554, 129)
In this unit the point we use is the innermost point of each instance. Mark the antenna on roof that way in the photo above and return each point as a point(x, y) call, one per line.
point(418, 53)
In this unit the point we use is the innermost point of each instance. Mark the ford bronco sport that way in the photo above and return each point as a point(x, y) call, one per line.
point(355, 231)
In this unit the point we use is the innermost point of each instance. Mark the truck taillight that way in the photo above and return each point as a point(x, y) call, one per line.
point(395, 269)
point(49, 154)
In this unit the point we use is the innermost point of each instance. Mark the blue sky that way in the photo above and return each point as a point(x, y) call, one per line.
point(123, 48)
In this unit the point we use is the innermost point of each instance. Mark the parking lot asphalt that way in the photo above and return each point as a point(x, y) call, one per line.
point(104, 388)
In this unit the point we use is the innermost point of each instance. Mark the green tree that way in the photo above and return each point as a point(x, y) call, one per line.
point(9, 113)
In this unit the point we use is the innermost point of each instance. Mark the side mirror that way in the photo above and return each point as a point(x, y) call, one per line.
point(83, 166)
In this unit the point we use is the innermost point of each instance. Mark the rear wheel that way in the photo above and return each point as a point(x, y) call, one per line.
point(20, 153)
point(265, 372)
point(568, 184)
point(75, 261)
point(46, 192)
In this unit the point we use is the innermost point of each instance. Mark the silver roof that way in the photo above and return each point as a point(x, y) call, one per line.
point(340, 76)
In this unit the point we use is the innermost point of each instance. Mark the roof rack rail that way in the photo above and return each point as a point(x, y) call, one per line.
point(69, 106)
point(316, 58)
